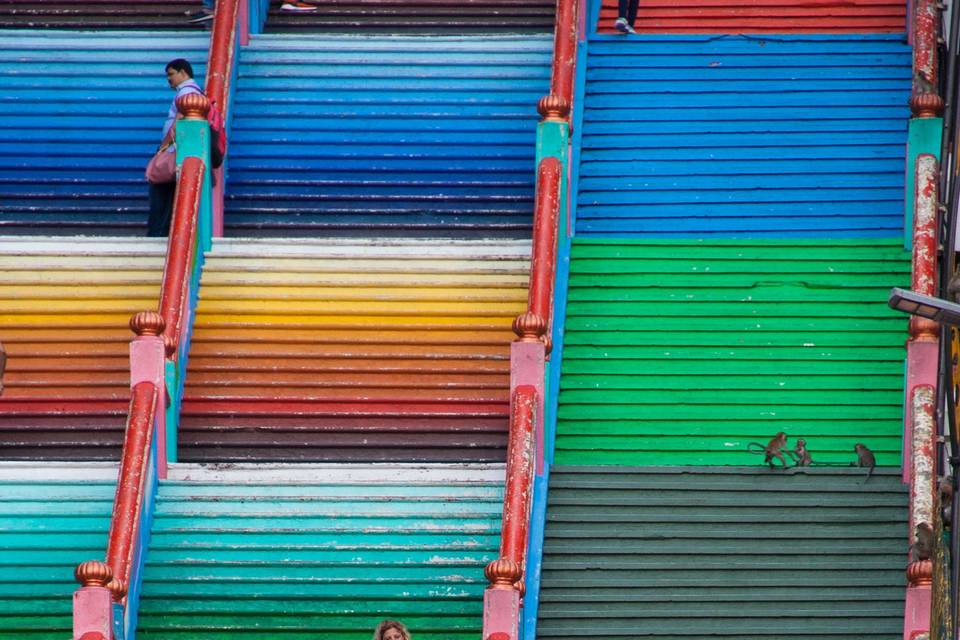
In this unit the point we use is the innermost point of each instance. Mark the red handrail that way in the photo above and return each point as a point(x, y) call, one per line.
point(544, 252)
point(564, 51)
point(517, 492)
point(128, 501)
point(175, 291)
point(925, 100)
point(222, 47)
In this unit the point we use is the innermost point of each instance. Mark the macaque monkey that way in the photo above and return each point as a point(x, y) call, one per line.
point(800, 454)
point(922, 548)
point(772, 450)
point(865, 458)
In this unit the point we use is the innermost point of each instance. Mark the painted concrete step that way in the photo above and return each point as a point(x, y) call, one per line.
point(420, 16)
point(320, 550)
point(353, 350)
point(53, 516)
point(317, 148)
point(66, 333)
point(695, 551)
point(57, 84)
point(97, 14)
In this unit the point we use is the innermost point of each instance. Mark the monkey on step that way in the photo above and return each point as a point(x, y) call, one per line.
point(800, 454)
point(865, 458)
point(772, 450)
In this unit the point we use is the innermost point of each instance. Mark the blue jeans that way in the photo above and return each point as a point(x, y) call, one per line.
point(208, 4)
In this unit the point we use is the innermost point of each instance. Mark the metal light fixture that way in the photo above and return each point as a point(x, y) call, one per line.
point(937, 309)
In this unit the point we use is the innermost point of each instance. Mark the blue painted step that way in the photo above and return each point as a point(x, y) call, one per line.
point(772, 136)
point(80, 116)
point(336, 135)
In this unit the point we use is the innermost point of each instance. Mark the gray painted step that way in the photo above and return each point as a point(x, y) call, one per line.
point(740, 553)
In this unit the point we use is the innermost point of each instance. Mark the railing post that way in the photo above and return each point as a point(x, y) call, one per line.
point(920, 467)
point(193, 140)
point(93, 602)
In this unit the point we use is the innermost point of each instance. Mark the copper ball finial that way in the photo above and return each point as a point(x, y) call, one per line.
point(147, 323)
point(529, 327)
point(193, 106)
point(169, 346)
point(553, 108)
point(118, 588)
point(920, 573)
point(93, 573)
point(502, 573)
point(926, 105)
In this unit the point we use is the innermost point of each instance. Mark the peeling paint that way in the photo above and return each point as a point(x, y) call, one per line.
point(923, 441)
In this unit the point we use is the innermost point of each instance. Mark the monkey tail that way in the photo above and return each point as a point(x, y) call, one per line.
point(759, 447)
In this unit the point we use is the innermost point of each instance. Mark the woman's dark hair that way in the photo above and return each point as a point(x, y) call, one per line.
point(179, 65)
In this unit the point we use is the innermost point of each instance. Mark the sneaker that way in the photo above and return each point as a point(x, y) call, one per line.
point(297, 7)
point(204, 15)
point(623, 26)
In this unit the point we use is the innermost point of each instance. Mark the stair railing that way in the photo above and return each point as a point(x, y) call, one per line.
point(923, 235)
point(105, 605)
point(502, 600)
point(228, 31)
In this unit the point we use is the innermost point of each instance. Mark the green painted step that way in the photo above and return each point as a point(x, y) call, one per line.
point(301, 559)
point(681, 352)
point(684, 553)
point(47, 527)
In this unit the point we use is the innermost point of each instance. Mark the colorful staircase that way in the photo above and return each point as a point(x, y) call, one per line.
point(65, 329)
point(739, 223)
point(454, 17)
point(97, 14)
point(52, 517)
point(376, 351)
point(320, 552)
point(773, 136)
point(346, 136)
point(698, 552)
point(64, 90)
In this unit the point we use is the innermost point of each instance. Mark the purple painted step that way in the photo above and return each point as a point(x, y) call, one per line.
point(417, 16)
point(98, 14)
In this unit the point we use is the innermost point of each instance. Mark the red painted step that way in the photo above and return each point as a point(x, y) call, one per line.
point(98, 14)
point(762, 16)
point(451, 17)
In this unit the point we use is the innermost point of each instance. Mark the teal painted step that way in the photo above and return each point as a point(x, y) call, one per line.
point(738, 553)
point(682, 352)
point(313, 560)
point(47, 528)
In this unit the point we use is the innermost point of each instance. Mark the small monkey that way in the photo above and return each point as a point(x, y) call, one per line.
point(865, 458)
point(800, 454)
point(922, 548)
point(772, 450)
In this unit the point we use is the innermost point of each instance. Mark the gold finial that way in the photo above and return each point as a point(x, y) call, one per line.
point(118, 589)
point(529, 327)
point(193, 106)
point(147, 323)
point(503, 573)
point(920, 573)
point(93, 573)
point(553, 108)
